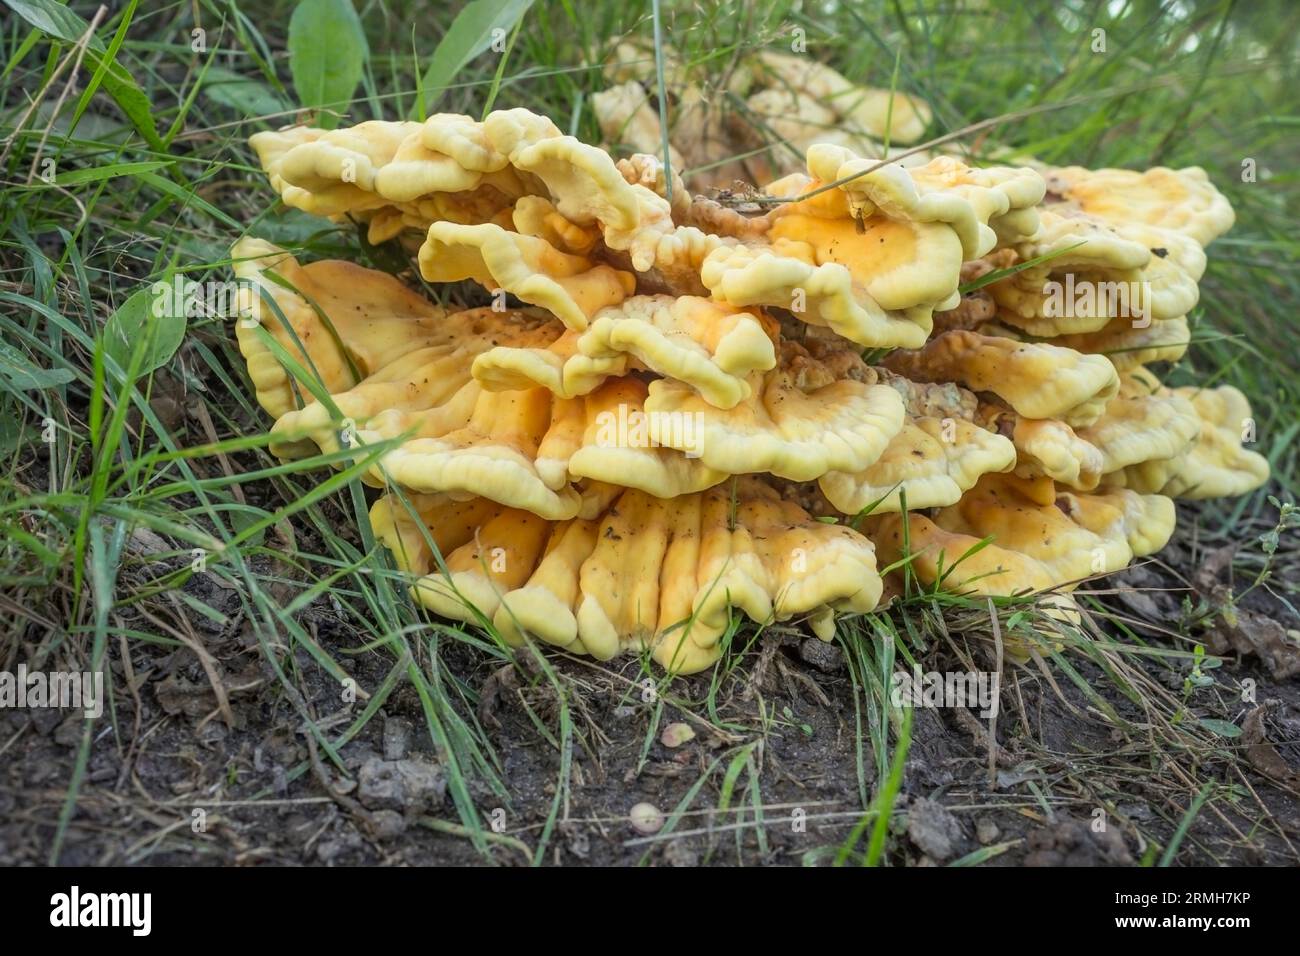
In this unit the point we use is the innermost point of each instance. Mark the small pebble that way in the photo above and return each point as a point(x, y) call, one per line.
point(675, 735)
point(646, 818)
point(397, 738)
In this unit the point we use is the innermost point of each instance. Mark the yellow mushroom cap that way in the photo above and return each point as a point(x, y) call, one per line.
point(645, 572)
point(525, 448)
point(1037, 379)
point(333, 172)
point(1138, 427)
point(1089, 275)
point(559, 367)
point(1144, 522)
point(415, 374)
point(413, 541)
point(874, 257)
point(340, 317)
point(899, 263)
point(797, 423)
point(572, 287)
point(1047, 448)
point(1012, 513)
point(494, 454)
point(1128, 346)
point(898, 117)
point(820, 294)
point(271, 146)
point(931, 462)
point(707, 345)
point(613, 440)
point(497, 559)
point(1008, 535)
point(582, 180)
point(944, 190)
point(1217, 465)
point(415, 171)
point(1182, 200)
point(537, 216)
point(958, 562)
point(466, 140)
point(625, 116)
point(711, 347)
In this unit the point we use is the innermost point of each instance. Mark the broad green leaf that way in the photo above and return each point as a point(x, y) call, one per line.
point(241, 519)
point(251, 97)
point(105, 128)
point(286, 226)
point(131, 100)
point(473, 31)
point(13, 431)
point(18, 371)
point(152, 318)
point(61, 23)
point(50, 17)
point(1223, 728)
point(327, 53)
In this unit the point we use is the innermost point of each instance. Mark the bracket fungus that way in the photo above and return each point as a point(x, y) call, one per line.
point(674, 411)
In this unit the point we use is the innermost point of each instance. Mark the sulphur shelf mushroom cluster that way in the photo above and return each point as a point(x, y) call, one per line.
point(751, 121)
point(666, 404)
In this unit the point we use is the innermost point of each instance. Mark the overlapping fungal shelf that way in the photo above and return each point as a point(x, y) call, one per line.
point(666, 403)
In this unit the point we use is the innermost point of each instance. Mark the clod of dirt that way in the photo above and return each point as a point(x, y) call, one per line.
point(327, 851)
point(676, 734)
point(212, 734)
point(646, 818)
point(1075, 843)
point(397, 738)
point(45, 719)
point(681, 853)
point(68, 732)
point(935, 830)
point(144, 541)
point(407, 785)
point(387, 824)
point(278, 748)
point(177, 695)
point(827, 658)
point(577, 839)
